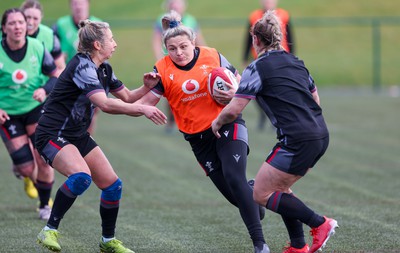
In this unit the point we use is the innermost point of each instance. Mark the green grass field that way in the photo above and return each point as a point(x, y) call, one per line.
point(169, 205)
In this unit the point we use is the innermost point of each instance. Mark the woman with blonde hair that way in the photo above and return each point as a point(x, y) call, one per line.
point(286, 92)
point(159, 49)
point(183, 82)
point(64, 142)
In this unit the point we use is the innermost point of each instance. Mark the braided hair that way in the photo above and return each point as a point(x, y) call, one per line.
point(268, 31)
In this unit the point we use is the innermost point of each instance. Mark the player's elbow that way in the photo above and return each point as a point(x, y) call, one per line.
point(107, 106)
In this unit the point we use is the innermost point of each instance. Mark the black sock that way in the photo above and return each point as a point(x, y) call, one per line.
point(44, 191)
point(108, 220)
point(295, 231)
point(63, 201)
point(289, 206)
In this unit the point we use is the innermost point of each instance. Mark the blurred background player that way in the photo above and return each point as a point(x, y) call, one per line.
point(63, 141)
point(223, 160)
point(250, 54)
point(33, 11)
point(66, 29)
point(303, 137)
point(24, 61)
point(159, 49)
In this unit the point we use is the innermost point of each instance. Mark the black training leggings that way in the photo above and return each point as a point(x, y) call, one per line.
point(232, 183)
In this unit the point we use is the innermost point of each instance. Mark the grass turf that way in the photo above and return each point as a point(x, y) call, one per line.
point(335, 54)
point(169, 205)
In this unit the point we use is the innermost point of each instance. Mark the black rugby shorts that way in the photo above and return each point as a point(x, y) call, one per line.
point(297, 158)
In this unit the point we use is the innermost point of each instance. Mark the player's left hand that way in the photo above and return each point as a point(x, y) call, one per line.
point(151, 79)
point(39, 95)
point(215, 126)
point(224, 97)
point(3, 116)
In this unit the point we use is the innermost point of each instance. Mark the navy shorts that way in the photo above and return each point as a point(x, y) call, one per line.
point(49, 145)
point(205, 145)
point(16, 126)
point(297, 158)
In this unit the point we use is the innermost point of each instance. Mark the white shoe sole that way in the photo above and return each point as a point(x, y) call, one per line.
point(331, 232)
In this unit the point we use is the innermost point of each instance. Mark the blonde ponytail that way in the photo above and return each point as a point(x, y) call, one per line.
point(172, 27)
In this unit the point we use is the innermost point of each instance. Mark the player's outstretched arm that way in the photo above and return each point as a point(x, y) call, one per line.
point(229, 114)
point(117, 106)
point(149, 99)
point(130, 96)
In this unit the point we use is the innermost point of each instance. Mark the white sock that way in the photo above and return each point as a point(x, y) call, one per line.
point(107, 239)
point(47, 228)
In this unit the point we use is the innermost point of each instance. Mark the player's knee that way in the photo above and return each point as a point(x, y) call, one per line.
point(23, 161)
point(257, 198)
point(22, 155)
point(260, 197)
point(111, 195)
point(78, 183)
point(25, 170)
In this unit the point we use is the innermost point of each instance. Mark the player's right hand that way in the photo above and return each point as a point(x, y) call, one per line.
point(151, 79)
point(3, 117)
point(155, 115)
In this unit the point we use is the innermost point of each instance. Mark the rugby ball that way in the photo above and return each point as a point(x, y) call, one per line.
point(218, 78)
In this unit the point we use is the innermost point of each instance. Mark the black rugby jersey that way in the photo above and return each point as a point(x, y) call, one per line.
point(283, 88)
point(68, 111)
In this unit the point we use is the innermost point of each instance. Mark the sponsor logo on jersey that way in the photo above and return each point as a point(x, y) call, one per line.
point(1, 65)
point(171, 76)
point(226, 133)
point(34, 61)
point(190, 87)
point(19, 76)
point(205, 69)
